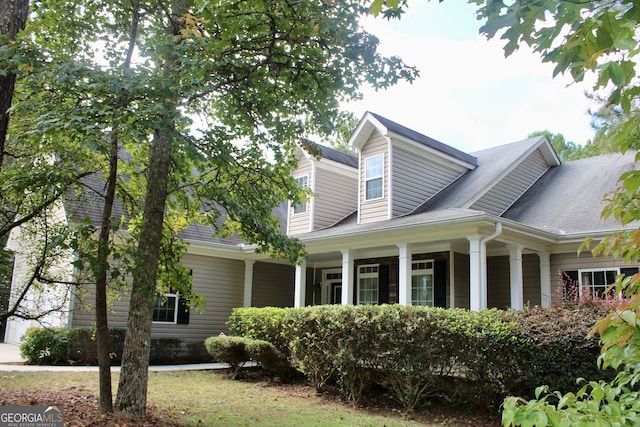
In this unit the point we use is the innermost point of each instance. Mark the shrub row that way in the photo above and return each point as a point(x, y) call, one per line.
point(418, 352)
point(237, 351)
point(51, 346)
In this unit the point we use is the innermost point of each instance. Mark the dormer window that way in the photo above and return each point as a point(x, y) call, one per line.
point(373, 174)
point(303, 182)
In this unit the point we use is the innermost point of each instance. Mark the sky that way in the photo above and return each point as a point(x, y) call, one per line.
point(468, 94)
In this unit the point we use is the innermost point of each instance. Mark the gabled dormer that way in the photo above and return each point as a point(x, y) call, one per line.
point(400, 169)
point(333, 178)
point(531, 158)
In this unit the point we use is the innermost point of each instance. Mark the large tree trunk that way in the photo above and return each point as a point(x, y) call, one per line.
point(103, 339)
point(13, 17)
point(132, 388)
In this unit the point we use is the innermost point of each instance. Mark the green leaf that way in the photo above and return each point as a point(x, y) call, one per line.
point(617, 74)
point(376, 7)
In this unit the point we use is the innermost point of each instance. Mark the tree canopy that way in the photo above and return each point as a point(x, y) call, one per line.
point(204, 101)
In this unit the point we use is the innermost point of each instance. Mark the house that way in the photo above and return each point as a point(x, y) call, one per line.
point(410, 220)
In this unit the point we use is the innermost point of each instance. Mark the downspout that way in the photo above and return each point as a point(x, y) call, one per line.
point(483, 263)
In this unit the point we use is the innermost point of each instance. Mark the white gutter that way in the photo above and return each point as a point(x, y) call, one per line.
point(483, 261)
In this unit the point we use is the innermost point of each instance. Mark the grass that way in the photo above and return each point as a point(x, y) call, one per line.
point(210, 398)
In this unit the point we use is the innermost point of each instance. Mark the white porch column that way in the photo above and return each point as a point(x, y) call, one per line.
point(404, 279)
point(347, 277)
point(248, 282)
point(515, 276)
point(300, 284)
point(545, 279)
point(475, 275)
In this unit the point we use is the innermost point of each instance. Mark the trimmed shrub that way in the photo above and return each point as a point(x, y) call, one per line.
point(271, 324)
point(310, 349)
point(269, 358)
point(418, 352)
point(165, 350)
point(51, 346)
point(45, 346)
point(485, 349)
point(83, 348)
point(555, 348)
point(413, 353)
point(229, 350)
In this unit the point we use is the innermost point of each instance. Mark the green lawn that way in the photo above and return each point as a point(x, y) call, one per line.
point(209, 398)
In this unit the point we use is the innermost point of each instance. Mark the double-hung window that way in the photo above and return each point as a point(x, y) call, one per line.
point(303, 182)
point(592, 282)
point(165, 307)
point(170, 306)
point(595, 282)
point(368, 284)
point(422, 283)
point(373, 176)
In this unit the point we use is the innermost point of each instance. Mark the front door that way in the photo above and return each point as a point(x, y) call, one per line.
point(336, 293)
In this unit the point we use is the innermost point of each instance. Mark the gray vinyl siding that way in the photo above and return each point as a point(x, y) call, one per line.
point(461, 277)
point(220, 281)
point(300, 223)
point(498, 292)
point(336, 197)
point(571, 261)
point(513, 185)
point(273, 285)
point(378, 209)
point(499, 281)
point(416, 179)
point(84, 308)
point(531, 279)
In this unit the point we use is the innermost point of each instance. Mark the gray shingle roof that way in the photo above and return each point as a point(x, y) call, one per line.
point(338, 156)
point(88, 203)
point(491, 163)
point(424, 140)
point(569, 198)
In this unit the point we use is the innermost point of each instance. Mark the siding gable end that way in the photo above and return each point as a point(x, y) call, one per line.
point(416, 178)
point(511, 185)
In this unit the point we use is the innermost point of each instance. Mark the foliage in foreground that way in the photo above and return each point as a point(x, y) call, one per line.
point(597, 38)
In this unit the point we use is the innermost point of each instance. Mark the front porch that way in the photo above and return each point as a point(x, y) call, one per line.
point(470, 270)
point(442, 279)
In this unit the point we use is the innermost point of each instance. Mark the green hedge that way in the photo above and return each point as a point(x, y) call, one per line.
point(275, 325)
point(418, 352)
point(51, 346)
point(45, 346)
point(237, 351)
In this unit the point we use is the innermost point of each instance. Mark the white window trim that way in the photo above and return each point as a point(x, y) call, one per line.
point(423, 272)
point(306, 202)
point(367, 179)
point(582, 287)
point(175, 295)
point(326, 283)
point(366, 276)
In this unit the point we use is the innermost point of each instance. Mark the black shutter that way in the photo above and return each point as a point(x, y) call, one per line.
point(570, 282)
point(629, 271)
point(383, 284)
point(183, 309)
point(356, 284)
point(440, 283)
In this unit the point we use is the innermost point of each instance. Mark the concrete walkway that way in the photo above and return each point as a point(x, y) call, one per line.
point(10, 360)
